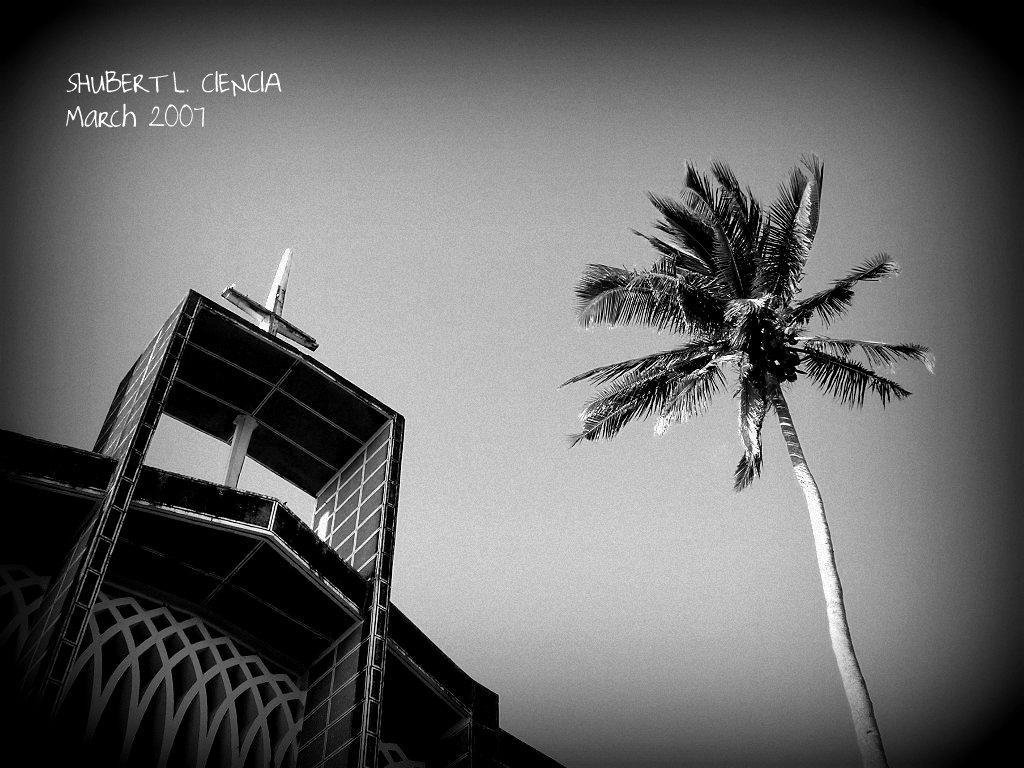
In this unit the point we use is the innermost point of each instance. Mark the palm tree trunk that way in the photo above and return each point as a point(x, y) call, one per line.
point(868, 738)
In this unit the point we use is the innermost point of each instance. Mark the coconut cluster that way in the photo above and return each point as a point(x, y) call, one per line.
point(770, 351)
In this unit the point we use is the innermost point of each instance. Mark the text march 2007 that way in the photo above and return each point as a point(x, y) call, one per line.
point(166, 116)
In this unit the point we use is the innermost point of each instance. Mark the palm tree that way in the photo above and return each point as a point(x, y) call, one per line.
point(727, 279)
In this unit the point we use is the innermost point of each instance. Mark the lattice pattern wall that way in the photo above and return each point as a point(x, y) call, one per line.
point(349, 509)
point(173, 690)
point(21, 595)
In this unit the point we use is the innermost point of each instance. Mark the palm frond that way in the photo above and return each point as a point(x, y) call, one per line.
point(677, 258)
point(743, 222)
point(681, 361)
point(816, 169)
point(725, 177)
point(629, 398)
point(793, 225)
point(753, 407)
point(742, 209)
point(692, 394)
point(690, 231)
point(726, 257)
point(847, 380)
point(877, 353)
point(699, 183)
point(733, 266)
point(741, 203)
point(877, 267)
point(615, 295)
point(828, 305)
point(746, 471)
point(832, 302)
point(782, 263)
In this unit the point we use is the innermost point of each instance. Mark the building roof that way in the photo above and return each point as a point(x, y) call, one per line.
point(310, 419)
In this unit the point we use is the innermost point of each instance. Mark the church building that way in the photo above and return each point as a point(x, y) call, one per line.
point(148, 618)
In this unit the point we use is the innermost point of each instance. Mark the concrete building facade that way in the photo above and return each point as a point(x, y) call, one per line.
point(153, 619)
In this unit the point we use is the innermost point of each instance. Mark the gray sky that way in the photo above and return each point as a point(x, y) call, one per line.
point(443, 178)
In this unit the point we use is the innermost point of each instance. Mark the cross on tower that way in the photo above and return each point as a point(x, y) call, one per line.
point(268, 317)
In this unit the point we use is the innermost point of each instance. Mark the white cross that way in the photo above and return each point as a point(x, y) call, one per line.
point(268, 317)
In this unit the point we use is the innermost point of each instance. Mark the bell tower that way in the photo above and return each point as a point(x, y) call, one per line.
point(248, 382)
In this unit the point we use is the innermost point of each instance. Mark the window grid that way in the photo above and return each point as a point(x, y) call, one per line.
point(349, 510)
